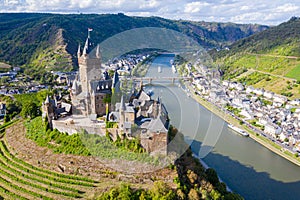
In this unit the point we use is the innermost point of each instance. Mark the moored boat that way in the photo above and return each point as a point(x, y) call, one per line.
point(174, 69)
point(238, 130)
point(159, 69)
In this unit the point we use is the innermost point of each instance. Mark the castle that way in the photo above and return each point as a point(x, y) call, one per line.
point(141, 117)
point(90, 90)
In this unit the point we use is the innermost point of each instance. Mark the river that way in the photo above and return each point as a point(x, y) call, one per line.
point(244, 165)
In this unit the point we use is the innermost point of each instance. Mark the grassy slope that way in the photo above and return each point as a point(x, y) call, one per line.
point(273, 53)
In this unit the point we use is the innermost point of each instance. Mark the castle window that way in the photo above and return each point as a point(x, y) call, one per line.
point(102, 105)
point(126, 119)
point(97, 98)
point(101, 97)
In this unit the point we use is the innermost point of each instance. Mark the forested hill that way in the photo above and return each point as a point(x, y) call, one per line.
point(48, 40)
point(285, 36)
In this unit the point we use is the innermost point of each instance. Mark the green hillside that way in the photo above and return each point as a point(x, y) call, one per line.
point(269, 59)
point(51, 40)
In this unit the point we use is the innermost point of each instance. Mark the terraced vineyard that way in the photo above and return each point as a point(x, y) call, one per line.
point(20, 180)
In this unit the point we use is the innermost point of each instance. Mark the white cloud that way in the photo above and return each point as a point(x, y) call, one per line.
point(288, 7)
point(195, 7)
point(241, 11)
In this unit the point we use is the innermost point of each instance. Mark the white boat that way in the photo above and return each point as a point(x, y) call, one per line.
point(174, 69)
point(159, 69)
point(240, 131)
point(171, 62)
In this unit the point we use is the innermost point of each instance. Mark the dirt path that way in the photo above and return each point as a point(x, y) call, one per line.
point(275, 56)
point(270, 74)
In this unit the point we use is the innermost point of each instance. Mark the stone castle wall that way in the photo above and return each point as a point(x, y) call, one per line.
point(155, 143)
point(73, 128)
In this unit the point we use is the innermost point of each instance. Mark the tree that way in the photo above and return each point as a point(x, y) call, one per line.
point(212, 176)
point(161, 190)
point(30, 109)
point(193, 195)
point(4, 80)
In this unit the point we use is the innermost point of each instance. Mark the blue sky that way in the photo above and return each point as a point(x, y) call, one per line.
point(270, 12)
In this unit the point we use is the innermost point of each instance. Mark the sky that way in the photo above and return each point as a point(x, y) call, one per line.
point(268, 12)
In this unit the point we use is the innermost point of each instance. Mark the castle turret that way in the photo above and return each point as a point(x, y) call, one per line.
point(115, 80)
point(47, 101)
point(122, 104)
point(75, 88)
point(98, 52)
point(122, 114)
point(78, 51)
point(48, 110)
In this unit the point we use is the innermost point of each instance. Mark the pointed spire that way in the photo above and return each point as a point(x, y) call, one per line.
point(55, 102)
point(98, 51)
point(47, 101)
point(115, 79)
point(79, 51)
point(122, 104)
point(84, 51)
point(141, 85)
point(86, 47)
point(74, 87)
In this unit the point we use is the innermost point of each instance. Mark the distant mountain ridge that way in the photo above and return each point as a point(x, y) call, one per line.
point(51, 40)
point(264, 42)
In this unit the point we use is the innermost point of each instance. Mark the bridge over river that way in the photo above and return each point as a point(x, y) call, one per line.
point(150, 79)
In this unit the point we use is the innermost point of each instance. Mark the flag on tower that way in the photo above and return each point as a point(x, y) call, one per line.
point(90, 29)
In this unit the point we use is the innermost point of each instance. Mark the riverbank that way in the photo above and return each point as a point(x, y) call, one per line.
point(207, 167)
point(252, 134)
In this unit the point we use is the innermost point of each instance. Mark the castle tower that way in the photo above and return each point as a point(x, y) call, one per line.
point(83, 94)
point(122, 113)
point(48, 110)
point(89, 64)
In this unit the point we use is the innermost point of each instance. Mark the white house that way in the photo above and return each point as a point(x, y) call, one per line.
point(232, 84)
point(249, 89)
point(282, 136)
point(268, 94)
point(246, 114)
point(279, 99)
point(258, 91)
point(239, 87)
point(295, 102)
point(272, 129)
point(225, 83)
point(264, 120)
point(237, 102)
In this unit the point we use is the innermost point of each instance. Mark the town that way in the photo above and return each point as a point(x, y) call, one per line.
point(268, 114)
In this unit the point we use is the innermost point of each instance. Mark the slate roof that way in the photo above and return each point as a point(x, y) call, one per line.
point(127, 107)
point(102, 86)
point(157, 125)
